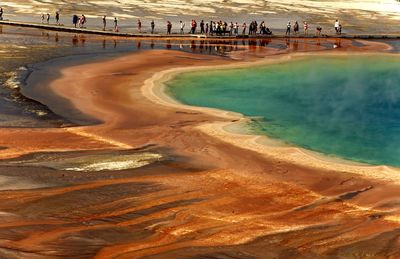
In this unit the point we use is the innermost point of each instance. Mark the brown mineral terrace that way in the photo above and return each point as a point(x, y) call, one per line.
point(204, 195)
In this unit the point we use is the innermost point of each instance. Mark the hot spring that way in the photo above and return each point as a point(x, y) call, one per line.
point(343, 106)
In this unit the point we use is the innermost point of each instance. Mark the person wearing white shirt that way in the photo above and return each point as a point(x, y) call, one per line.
point(182, 24)
point(337, 25)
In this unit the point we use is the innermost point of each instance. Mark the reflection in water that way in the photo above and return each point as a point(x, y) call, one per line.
point(193, 46)
point(83, 40)
point(75, 40)
point(337, 44)
point(287, 42)
point(46, 35)
point(44, 45)
point(295, 45)
point(264, 42)
point(201, 46)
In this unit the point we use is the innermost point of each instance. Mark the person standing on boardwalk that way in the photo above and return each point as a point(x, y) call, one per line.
point(253, 28)
point(116, 24)
point(263, 28)
point(288, 28)
point(57, 18)
point(296, 28)
point(250, 28)
point(74, 20)
point(244, 26)
point(83, 18)
point(305, 25)
point(202, 31)
point(169, 27)
point(82, 21)
point(224, 27)
point(231, 29)
point(48, 18)
point(194, 25)
point(1, 13)
point(182, 25)
point(318, 31)
point(42, 17)
point(139, 25)
point(152, 25)
point(337, 25)
point(215, 27)
point(207, 27)
point(104, 22)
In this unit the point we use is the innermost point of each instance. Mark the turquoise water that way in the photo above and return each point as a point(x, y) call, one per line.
point(347, 107)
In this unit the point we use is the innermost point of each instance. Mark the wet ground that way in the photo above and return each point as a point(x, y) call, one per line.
point(25, 50)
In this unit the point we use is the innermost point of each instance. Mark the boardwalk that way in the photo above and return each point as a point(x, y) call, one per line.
point(148, 35)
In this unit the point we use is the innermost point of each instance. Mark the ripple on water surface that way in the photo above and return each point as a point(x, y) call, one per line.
point(341, 106)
